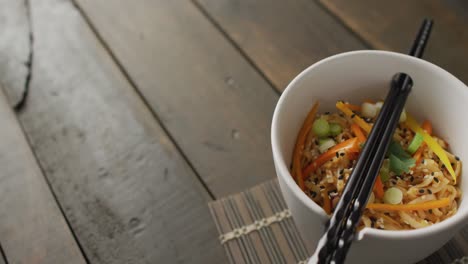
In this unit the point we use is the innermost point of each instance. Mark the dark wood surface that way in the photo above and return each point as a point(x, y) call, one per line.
point(32, 228)
point(282, 38)
point(384, 28)
point(212, 102)
point(128, 194)
point(141, 112)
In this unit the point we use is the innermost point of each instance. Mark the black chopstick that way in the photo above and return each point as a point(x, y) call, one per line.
point(351, 189)
point(337, 223)
point(371, 174)
point(420, 42)
point(341, 227)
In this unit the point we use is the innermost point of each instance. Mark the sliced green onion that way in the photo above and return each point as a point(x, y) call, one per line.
point(335, 129)
point(369, 110)
point(321, 128)
point(325, 144)
point(415, 143)
point(399, 166)
point(385, 170)
point(396, 165)
point(393, 196)
point(396, 149)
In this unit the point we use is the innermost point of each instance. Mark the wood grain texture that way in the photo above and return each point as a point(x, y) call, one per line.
point(459, 7)
point(214, 104)
point(126, 191)
point(32, 227)
point(281, 37)
point(392, 25)
point(14, 47)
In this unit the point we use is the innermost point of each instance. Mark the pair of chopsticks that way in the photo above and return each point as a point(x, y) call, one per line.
point(336, 241)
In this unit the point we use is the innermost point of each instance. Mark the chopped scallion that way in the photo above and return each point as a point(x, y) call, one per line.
point(415, 143)
point(393, 196)
point(321, 128)
point(335, 129)
point(325, 144)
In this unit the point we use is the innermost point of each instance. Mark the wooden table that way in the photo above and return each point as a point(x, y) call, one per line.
point(141, 112)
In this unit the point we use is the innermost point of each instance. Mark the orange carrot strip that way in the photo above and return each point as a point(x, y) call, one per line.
point(378, 188)
point(298, 148)
point(358, 133)
point(427, 126)
point(353, 155)
point(357, 119)
point(354, 107)
point(350, 145)
point(410, 207)
point(326, 202)
point(418, 155)
point(369, 101)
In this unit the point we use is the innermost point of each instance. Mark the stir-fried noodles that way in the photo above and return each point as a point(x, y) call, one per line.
point(417, 185)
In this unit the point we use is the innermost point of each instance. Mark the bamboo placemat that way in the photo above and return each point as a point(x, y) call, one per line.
point(255, 226)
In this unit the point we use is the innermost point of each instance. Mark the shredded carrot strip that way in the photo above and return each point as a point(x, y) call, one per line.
point(350, 145)
point(306, 126)
point(418, 155)
point(357, 119)
point(410, 207)
point(354, 107)
point(353, 155)
point(358, 133)
point(378, 188)
point(427, 126)
point(326, 201)
point(369, 101)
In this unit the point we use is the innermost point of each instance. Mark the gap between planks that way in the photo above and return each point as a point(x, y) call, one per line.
point(23, 11)
point(220, 29)
point(141, 96)
point(223, 133)
point(18, 107)
point(3, 259)
point(60, 123)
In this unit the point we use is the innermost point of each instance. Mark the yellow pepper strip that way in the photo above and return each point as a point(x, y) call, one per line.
point(431, 143)
point(357, 119)
point(410, 207)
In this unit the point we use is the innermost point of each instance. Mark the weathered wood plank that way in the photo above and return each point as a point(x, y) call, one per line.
point(14, 47)
point(392, 25)
point(460, 7)
point(281, 37)
point(126, 191)
point(32, 227)
point(213, 103)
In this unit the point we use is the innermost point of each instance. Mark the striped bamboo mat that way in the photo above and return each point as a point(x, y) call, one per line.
point(255, 226)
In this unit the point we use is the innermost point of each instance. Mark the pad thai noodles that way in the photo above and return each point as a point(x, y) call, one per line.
point(418, 182)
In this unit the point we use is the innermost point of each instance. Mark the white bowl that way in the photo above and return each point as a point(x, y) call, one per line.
point(354, 76)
